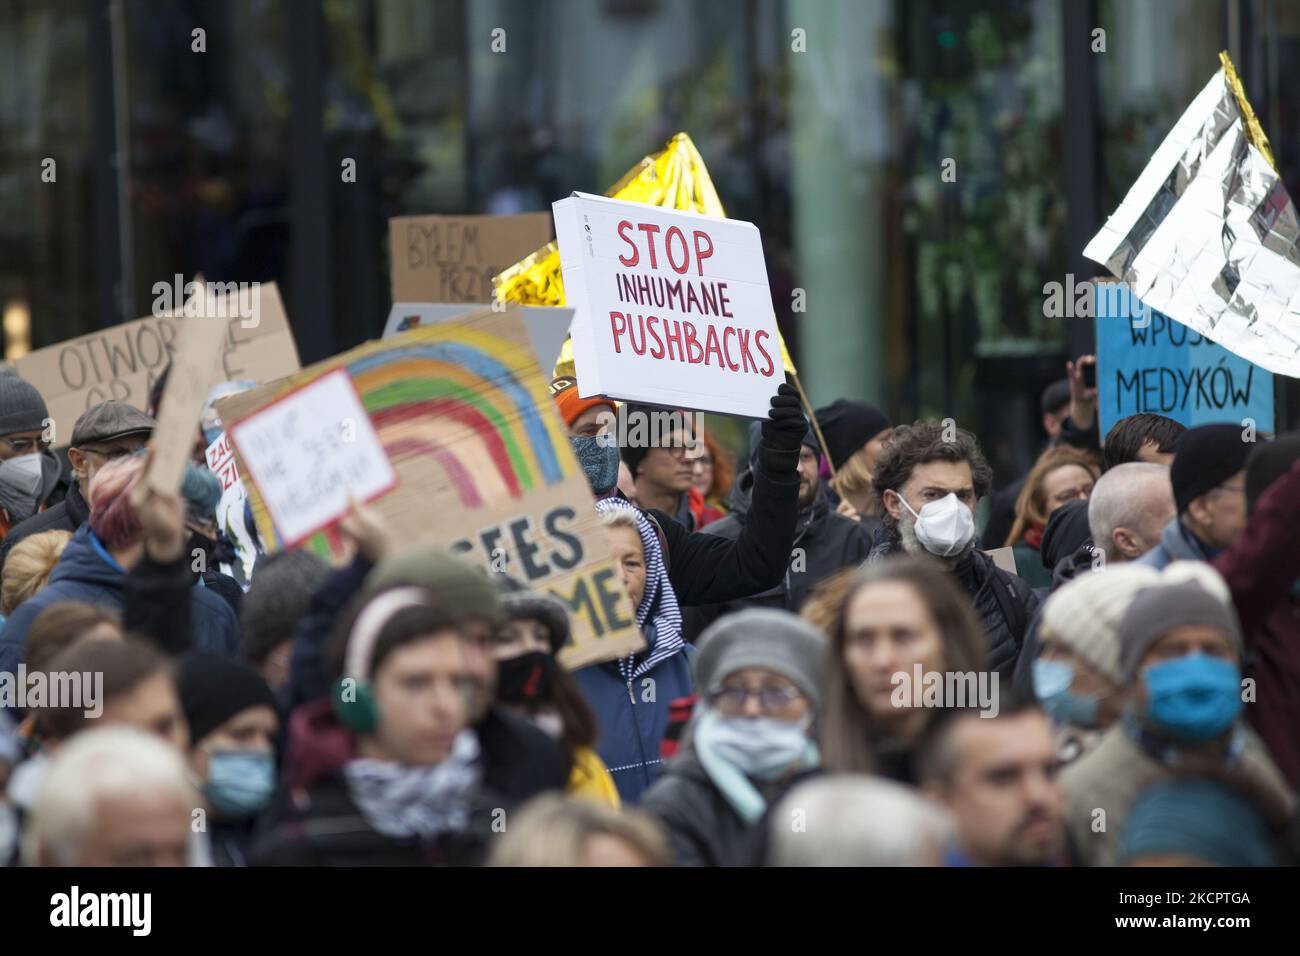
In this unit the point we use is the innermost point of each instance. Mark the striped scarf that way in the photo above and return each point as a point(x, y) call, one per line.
point(657, 615)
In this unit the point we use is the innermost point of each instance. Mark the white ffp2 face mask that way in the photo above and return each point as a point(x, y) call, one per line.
point(943, 527)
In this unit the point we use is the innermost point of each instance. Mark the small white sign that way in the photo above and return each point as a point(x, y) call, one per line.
point(671, 308)
point(310, 453)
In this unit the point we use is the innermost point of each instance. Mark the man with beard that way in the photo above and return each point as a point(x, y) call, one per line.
point(824, 541)
point(929, 478)
point(996, 777)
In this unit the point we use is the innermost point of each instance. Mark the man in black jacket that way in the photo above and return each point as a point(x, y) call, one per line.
point(705, 568)
point(824, 542)
point(929, 478)
point(25, 433)
point(103, 433)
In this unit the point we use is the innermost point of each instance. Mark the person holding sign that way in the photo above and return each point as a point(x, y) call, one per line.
point(95, 565)
point(705, 568)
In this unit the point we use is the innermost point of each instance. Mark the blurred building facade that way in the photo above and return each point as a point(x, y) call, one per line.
point(829, 123)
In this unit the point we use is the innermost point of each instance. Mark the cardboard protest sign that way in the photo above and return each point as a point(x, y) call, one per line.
point(453, 258)
point(1147, 362)
point(124, 361)
point(547, 327)
point(484, 467)
point(672, 308)
point(311, 452)
point(195, 367)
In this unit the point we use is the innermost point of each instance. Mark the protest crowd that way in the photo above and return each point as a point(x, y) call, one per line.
point(1119, 685)
point(486, 591)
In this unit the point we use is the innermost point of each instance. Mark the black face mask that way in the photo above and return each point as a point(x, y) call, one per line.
point(526, 679)
point(214, 553)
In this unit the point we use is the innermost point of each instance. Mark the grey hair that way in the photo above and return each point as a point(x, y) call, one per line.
point(1121, 498)
point(621, 518)
point(105, 762)
point(857, 820)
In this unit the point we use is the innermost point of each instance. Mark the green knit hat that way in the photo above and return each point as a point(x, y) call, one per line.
point(459, 586)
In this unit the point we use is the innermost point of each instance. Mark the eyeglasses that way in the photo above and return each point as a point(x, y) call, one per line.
point(25, 446)
point(771, 700)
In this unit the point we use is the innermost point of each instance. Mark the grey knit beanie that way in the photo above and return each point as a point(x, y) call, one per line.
point(762, 637)
point(1157, 610)
point(21, 407)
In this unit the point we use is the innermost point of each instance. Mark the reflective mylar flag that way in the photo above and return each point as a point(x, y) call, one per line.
point(1208, 234)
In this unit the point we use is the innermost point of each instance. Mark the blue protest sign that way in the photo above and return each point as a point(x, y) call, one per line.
point(1147, 362)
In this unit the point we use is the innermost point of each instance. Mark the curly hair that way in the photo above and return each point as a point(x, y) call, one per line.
point(919, 444)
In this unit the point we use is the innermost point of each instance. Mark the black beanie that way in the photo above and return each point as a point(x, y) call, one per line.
point(847, 426)
point(1066, 532)
point(1207, 456)
point(21, 407)
point(213, 688)
point(1269, 462)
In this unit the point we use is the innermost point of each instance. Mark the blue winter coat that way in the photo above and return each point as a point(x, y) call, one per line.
point(87, 572)
point(633, 717)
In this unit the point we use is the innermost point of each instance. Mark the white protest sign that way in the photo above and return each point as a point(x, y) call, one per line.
point(311, 452)
point(547, 326)
point(672, 308)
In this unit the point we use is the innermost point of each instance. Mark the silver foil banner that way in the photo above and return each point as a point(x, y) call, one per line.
point(1208, 236)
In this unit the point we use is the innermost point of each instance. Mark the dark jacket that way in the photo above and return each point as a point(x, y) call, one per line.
point(703, 829)
point(519, 760)
point(317, 823)
point(1262, 568)
point(632, 716)
point(1004, 603)
point(68, 515)
point(86, 572)
point(707, 569)
point(829, 542)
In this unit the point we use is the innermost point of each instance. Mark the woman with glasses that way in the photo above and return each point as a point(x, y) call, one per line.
point(758, 676)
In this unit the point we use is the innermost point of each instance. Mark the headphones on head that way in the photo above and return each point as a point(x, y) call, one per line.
point(353, 698)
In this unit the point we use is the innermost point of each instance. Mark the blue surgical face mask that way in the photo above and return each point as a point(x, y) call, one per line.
point(1052, 680)
point(598, 456)
point(761, 748)
point(1194, 698)
point(240, 782)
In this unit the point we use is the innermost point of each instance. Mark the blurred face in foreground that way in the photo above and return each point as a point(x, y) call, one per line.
point(149, 829)
point(423, 690)
point(1003, 793)
point(888, 629)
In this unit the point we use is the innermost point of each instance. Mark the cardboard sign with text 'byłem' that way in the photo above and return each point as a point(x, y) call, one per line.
point(453, 258)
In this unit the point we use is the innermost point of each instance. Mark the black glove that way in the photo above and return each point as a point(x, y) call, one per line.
point(785, 427)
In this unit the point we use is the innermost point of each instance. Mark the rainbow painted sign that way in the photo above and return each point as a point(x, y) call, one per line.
point(464, 414)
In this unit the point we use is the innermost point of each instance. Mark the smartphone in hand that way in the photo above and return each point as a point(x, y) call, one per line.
point(1089, 370)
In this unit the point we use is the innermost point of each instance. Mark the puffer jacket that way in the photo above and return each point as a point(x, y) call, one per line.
point(824, 542)
point(87, 572)
point(1004, 603)
point(702, 827)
